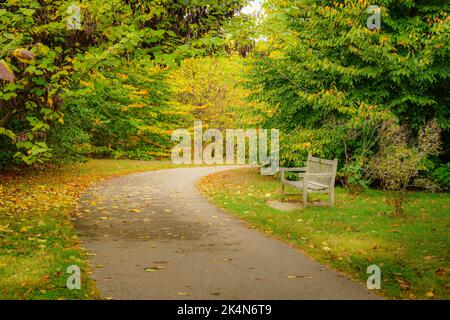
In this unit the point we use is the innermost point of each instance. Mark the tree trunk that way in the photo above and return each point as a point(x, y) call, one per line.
point(4, 122)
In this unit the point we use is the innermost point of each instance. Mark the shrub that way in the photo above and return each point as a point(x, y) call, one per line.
point(398, 161)
point(442, 175)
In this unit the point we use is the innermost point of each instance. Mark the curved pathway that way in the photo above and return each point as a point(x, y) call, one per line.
point(153, 236)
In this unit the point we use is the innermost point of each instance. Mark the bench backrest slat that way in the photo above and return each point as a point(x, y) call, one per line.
point(318, 165)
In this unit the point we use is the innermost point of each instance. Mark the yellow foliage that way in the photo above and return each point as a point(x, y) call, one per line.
point(86, 83)
point(211, 89)
point(141, 92)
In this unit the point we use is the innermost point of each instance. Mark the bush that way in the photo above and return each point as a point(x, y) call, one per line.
point(356, 178)
point(442, 175)
point(398, 161)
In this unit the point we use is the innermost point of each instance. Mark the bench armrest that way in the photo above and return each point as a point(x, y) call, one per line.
point(281, 169)
point(320, 175)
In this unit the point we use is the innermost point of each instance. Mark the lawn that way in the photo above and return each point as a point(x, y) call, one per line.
point(37, 238)
point(412, 251)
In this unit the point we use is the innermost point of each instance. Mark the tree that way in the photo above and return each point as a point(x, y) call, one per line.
point(44, 56)
point(120, 113)
point(335, 66)
point(212, 90)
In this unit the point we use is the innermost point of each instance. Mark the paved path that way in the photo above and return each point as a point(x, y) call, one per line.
point(155, 237)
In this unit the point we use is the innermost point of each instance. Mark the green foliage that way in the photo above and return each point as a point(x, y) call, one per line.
point(43, 64)
point(121, 114)
point(357, 178)
point(323, 70)
point(442, 175)
point(242, 33)
point(40, 51)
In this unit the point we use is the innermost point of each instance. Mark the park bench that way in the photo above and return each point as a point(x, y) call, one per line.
point(264, 165)
point(318, 176)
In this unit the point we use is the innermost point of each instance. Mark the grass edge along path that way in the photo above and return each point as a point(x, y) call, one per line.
point(412, 251)
point(37, 237)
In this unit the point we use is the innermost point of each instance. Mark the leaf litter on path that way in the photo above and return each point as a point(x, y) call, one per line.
point(153, 268)
point(299, 277)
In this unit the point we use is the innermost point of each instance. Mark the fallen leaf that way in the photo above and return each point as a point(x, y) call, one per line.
point(403, 284)
point(24, 229)
point(299, 277)
point(153, 268)
point(441, 272)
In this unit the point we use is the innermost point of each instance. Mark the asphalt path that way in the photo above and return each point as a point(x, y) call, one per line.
point(152, 235)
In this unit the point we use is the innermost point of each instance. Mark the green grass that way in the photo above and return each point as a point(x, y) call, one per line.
point(37, 239)
point(412, 251)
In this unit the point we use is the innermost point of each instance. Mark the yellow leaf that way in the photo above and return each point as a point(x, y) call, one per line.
point(24, 229)
point(23, 55)
point(5, 72)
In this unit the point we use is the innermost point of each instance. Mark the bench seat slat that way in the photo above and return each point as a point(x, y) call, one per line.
point(309, 185)
point(321, 185)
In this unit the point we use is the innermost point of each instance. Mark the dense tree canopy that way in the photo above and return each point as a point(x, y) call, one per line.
point(333, 80)
point(115, 81)
point(45, 57)
point(212, 90)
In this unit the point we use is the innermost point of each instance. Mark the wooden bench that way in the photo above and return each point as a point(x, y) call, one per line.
point(318, 176)
point(264, 165)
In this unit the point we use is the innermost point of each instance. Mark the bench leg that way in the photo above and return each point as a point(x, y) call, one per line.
point(282, 192)
point(332, 198)
point(305, 198)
